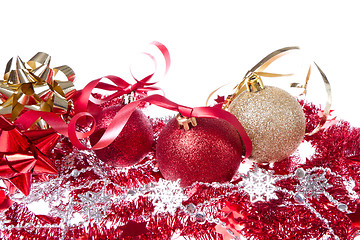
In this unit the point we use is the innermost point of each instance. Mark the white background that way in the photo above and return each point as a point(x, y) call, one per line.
point(211, 42)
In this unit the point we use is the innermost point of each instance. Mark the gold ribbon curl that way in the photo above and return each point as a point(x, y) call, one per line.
point(32, 86)
point(258, 69)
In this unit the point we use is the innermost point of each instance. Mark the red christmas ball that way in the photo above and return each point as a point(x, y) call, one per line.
point(208, 152)
point(132, 144)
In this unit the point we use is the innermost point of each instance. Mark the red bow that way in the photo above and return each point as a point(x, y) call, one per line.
point(22, 154)
point(5, 201)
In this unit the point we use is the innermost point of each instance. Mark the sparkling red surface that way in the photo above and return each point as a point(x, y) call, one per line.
point(208, 152)
point(133, 143)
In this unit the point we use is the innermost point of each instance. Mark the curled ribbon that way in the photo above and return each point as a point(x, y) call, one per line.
point(32, 86)
point(327, 110)
point(86, 102)
point(258, 70)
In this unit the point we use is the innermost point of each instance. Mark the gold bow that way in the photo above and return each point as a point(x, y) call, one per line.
point(32, 86)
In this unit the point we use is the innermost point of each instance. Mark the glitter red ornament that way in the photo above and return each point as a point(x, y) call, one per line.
point(209, 152)
point(133, 143)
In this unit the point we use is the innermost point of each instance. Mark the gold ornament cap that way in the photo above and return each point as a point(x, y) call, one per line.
point(254, 83)
point(185, 122)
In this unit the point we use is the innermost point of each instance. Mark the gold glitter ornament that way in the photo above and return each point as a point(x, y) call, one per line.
point(273, 119)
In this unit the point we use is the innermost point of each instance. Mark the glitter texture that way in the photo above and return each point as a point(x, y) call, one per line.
point(133, 143)
point(209, 152)
point(274, 121)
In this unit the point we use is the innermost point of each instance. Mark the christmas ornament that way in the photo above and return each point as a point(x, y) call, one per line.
point(204, 150)
point(273, 119)
point(259, 185)
point(133, 143)
point(166, 196)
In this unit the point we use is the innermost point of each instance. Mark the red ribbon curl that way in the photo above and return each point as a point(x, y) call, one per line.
point(85, 102)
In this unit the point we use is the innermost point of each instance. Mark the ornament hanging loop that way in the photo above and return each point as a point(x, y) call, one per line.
point(185, 122)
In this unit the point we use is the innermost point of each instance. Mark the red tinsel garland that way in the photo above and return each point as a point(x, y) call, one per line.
point(124, 207)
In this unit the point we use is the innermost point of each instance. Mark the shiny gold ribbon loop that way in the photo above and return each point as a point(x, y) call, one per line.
point(32, 85)
point(304, 86)
point(328, 101)
point(39, 59)
point(266, 74)
point(266, 61)
point(64, 87)
point(67, 71)
point(258, 70)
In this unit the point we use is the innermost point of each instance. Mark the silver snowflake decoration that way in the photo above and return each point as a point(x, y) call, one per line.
point(311, 185)
point(350, 185)
point(95, 204)
point(259, 184)
point(167, 196)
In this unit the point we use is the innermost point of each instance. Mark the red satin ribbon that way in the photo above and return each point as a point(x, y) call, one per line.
point(121, 118)
point(124, 114)
point(121, 86)
point(82, 103)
